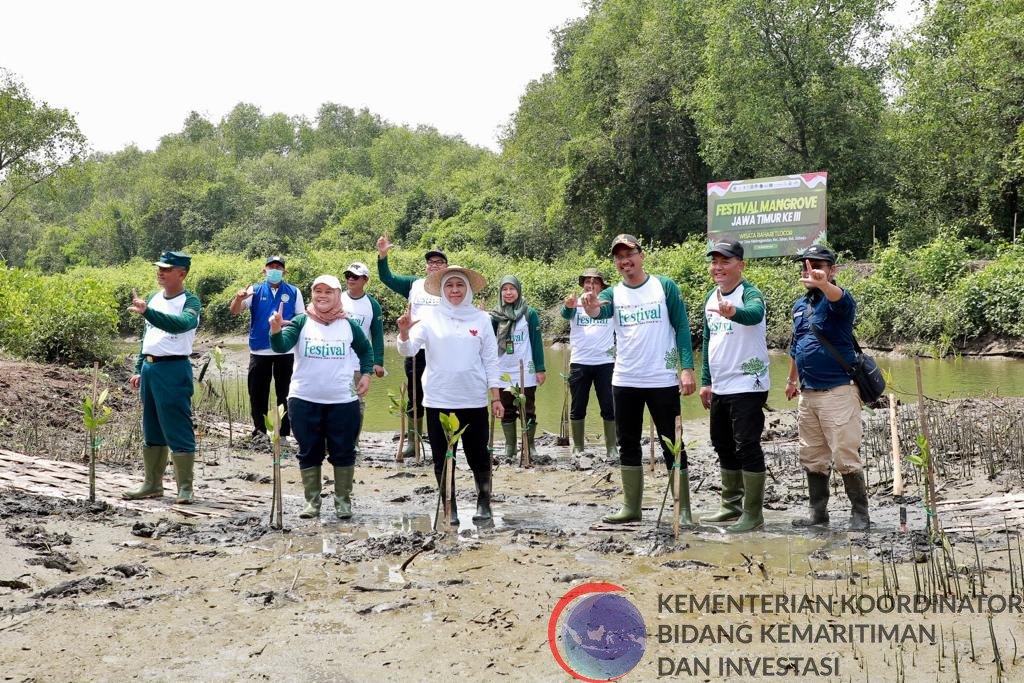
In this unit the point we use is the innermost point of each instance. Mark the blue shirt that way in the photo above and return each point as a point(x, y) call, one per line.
point(817, 367)
point(264, 302)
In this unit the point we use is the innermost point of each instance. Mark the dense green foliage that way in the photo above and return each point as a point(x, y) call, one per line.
point(932, 299)
point(922, 135)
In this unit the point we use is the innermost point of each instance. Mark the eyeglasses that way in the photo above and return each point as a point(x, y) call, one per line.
point(623, 255)
point(437, 262)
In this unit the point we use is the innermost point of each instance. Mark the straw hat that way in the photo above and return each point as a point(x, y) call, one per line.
point(432, 285)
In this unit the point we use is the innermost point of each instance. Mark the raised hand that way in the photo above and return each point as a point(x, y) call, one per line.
point(406, 323)
point(726, 308)
point(244, 293)
point(813, 277)
point(571, 301)
point(277, 319)
point(138, 305)
point(383, 246)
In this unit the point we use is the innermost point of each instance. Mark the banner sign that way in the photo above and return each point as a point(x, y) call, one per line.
point(777, 216)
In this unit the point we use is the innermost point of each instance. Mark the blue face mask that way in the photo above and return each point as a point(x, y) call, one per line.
point(274, 276)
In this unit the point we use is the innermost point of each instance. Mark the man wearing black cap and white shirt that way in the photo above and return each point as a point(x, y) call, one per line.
point(411, 287)
point(828, 414)
point(653, 362)
point(364, 310)
point(734, 385)
point(263, 300)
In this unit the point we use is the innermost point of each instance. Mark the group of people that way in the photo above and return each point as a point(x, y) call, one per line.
point(630, 342)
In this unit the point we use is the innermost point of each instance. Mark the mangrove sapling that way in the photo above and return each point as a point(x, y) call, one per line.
point(95, 414)
point(450, 426)
point(398, 406)
point(519, 399)
point(273, 424)
point(218, 361)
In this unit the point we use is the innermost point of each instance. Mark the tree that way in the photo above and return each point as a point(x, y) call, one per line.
point(36, 140)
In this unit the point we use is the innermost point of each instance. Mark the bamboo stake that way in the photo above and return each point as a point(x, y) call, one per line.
point(401, 423)
point(449, 460)
point(92, 442)
point(415, 413)
point(524, 459)
point(676, 476)
point(653, 439)
point(563, 428)
point(897, 456)
point(278, 521)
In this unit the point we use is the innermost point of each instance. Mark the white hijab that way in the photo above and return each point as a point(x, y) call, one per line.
point(464, 311)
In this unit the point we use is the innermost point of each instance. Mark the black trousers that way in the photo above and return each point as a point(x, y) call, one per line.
point(473, 440)
point(325, 429)
point(581, 377)
point(663, 404)
point(737, 421)
point(512, 409)
point(261, 370)
point(421, 364)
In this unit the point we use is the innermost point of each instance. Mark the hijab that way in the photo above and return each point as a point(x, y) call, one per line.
point(507, 315)
point(464, 311)
point(328, 312)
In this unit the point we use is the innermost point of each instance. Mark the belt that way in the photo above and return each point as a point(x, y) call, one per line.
point(161, 359)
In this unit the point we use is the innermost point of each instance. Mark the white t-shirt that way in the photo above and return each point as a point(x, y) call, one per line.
point(592, 340)
point(325, 363)
point(157, 342)
point(419, 299)
point(359, 311)
point(737, 354)
point(300, 307)
point(462, 359)
point(522, 349)
point(646, 354)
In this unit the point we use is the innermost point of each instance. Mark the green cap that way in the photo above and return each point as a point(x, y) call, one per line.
point(593, 272)
point(174, 259)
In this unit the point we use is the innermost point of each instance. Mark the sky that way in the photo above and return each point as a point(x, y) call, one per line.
point(131, 72)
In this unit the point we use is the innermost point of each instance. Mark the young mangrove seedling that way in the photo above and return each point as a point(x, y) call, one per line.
point(95, 414)
point(450, 426)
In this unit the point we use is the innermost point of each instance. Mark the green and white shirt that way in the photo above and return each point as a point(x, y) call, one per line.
point(170, 326)
point(592, 340)
point(327, 358)
point(366, 312)
point(527, 346)
point(735, 350)
point(652, 332)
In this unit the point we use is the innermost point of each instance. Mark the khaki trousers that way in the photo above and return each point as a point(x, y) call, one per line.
point(830, 430)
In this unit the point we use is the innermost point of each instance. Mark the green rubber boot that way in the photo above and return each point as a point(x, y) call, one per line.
point(154, 458)
point(732, 498)
point(578, 436)
point(509, 430)
point(412, 433)
point(632, 496)
point(610, 440)
point(343, 477)
point(312, 483)
point(685, 516)
point(817, 492)
point(184, 463)
point(531, 431)
point(753, 500)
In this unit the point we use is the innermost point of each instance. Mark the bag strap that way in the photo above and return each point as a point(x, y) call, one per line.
point(832, 350)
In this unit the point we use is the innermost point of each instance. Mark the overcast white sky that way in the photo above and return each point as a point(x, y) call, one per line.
point(132, 71)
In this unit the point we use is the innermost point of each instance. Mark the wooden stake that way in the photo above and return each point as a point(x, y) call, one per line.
point(92, 436)
point(897, 456)
point(401, 424)
point(676, 476)
point(654, 440)
point(278, 521)
point(448, 462)
point(563, 428)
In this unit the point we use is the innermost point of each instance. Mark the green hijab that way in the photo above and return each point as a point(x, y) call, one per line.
point(507, 315)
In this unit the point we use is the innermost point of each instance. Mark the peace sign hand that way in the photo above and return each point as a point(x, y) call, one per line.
point(277, 319)
point(813, 277)
point(406, 323)
point(571, 301)
point(726, 308)
point(138, 305)
point(383, 246)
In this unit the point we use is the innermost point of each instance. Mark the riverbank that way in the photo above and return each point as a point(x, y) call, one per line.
point(113, 592)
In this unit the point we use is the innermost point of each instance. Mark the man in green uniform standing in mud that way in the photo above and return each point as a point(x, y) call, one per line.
point(163, 374)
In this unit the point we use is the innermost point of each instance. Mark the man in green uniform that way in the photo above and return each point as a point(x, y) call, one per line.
point(163, 374)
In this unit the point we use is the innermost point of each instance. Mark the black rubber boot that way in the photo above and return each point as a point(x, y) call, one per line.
point(483, 496)
point(857, 491)
point(817, 491)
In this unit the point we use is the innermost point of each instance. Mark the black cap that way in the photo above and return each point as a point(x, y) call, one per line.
point(435, 252)
point(275, 259)
point(628, 240)
point(816, 252)
point(728, 249)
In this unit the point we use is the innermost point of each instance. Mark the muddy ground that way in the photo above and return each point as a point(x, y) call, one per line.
point(101, 593)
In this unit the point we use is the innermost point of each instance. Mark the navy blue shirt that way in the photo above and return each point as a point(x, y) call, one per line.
point(817, 367)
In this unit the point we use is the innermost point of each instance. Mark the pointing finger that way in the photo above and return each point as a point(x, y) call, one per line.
point(718, 293)
point(134, 294)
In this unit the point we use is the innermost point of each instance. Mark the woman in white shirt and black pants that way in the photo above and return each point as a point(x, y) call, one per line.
point(461, 375)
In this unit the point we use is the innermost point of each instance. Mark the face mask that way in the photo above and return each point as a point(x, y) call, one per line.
point(274, 276)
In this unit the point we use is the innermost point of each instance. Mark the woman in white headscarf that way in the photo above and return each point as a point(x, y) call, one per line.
point(461, 376)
